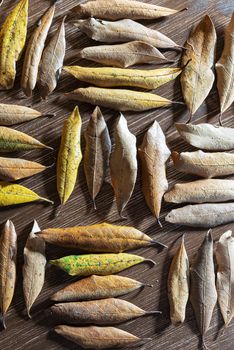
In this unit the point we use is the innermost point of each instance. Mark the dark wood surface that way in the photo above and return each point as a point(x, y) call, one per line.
point(26, 334)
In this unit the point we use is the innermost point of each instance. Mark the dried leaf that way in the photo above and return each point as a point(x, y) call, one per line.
point(154, 154)
point(123, 164)
point(99, 337)
point(108, 311)
point(225, 275)
point(202, 215)
point(12, 40)
point(12, 169)
point(119, 99)
point(206, 136)
point(8, 252)
point(225, 69)
point(52, 62)
point(201, 191)
point(34, 267)
point(97, 153)
point(69, 156)
point(100, 264)
point(178, 285)
point(203, 295)
point(14, 141)
point(122, 31)
point(11, 194)
point(118, 9)
point(204, 164)
point(13, 114)
point(97, 287)
point(198, 77)
point(114, 77)
point(124, 55)
point(34, 52)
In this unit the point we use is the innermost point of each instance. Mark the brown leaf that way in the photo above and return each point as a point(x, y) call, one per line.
point(123, 31)
point(197, 77)
point(12, 169)
point(8, 252)
point(97, 153)
point(99, 337)
point(123, 164)
point(13, 114)
point(34, 52)
point(178, 285)
point(52, 62)
point(203, 293)
point(34, 267)
point(154, 154)
point(225, 275)
point(124, 55)
point(97, 287)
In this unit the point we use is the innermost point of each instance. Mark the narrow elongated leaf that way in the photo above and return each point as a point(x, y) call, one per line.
point(123, 31)
point(8, 253)
point(197, 77)
point(119, 99)
point(97, 287)
point(201, 191)
point(108, 311)
point(118, 9)
point(12, 40)
point(123, 164)
point(99, 337)
point(14, 141)
point(34, 267)
point(12, 169)
point(154, 154)
point(202, 215)
point(124, 55)
point(178, 285)
point(13, 114)
point(69, 156)
point(100, 264)
point(52, 62)
point(114, 77)
point(11, 194)
point(225, 275)
point(97, 153)
point(203, 295)
point(204, 164)
point(206, 136)
point(225, 69)
point(34, 52)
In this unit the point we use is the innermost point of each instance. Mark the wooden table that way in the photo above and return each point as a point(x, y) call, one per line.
point(26, 334)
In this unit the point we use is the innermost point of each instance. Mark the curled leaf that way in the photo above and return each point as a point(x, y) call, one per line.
point(8, 253)
point(12, 169)
point(13, 114)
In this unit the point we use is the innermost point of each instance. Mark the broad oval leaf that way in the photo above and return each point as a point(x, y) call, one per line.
point(14, 114)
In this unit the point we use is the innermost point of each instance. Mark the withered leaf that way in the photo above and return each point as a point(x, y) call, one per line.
point(123, 164)
point(201, 191)
point(8, 253)
point(118, 9)
point(14, 114)
point(197, 77)
point(124, 55)
point(202, 215)
point(97, 153)
point(97, 287)
point(225, 275)
point(34, 267)
point(225, 69)
point(99, 337)
point(34, 52)
point(178, 285)
point(204, 164)
point(207, 136)
point(154, 154)
point(123, 31)
point(52, 62)
point(203, 295)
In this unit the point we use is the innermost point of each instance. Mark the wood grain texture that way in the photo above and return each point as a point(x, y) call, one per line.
point(24, 334)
